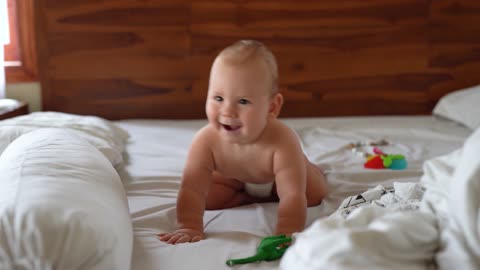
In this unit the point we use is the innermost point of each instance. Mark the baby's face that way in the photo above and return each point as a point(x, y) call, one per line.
point(239, 98)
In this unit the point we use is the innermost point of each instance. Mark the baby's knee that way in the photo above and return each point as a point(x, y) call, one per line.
point(316, 196)
point(314, 201)
point(211, 205)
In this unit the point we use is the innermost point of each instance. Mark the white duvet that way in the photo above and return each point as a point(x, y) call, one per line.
point(443, 232)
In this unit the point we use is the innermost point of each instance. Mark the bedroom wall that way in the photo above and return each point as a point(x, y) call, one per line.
point(29, 92)
point(151, 58)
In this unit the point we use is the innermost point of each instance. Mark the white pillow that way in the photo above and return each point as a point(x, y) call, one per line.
point(462, 106)
point(101, 133)
point(62, 205)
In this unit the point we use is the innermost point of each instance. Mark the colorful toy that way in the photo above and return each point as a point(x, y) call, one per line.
point(379, 160)
point(271, 248)
point(382, 161)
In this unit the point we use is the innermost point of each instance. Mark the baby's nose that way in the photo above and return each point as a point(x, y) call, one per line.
point(229, 111)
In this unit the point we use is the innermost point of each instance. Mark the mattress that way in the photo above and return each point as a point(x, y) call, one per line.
point(157, 150)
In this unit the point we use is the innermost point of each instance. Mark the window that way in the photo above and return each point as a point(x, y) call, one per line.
point(20, 54)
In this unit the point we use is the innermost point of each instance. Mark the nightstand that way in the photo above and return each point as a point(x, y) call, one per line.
point(11, 108)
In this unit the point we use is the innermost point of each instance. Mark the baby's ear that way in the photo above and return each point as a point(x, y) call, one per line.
point(276, 105)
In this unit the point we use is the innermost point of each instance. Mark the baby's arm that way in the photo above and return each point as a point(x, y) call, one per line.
point(290, 177)
point(191, 198)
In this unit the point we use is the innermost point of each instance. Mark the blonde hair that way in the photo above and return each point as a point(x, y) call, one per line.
point(243, 51)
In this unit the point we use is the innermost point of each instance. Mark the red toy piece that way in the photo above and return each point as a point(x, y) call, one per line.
point(374, 162)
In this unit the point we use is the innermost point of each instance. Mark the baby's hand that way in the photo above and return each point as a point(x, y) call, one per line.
point(181, 236)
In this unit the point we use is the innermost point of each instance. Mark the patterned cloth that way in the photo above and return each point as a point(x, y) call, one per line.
point(403, 196)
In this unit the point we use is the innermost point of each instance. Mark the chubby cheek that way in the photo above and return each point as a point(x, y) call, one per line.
point(256, 121)
point(212, 112)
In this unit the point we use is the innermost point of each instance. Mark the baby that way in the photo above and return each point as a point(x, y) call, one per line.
point(245, 154)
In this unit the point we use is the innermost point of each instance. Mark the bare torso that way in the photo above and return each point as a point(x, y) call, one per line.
point(251, 164)
point(254, 163)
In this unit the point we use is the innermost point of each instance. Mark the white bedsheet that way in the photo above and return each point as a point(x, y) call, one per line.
point(157, 151)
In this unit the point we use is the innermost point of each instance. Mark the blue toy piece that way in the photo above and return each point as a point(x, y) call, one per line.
point(398, 164)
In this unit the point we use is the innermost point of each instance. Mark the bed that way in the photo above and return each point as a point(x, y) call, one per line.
point(124, 84)
point(154, 172)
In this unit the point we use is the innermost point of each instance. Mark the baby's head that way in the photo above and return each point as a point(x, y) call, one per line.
point(243, 91)
point(244, 52)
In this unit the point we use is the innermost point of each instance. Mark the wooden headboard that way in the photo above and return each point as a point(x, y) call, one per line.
point(151, 58)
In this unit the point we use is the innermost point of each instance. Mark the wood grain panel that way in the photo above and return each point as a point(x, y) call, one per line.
point(151, 59)
point(454, 38)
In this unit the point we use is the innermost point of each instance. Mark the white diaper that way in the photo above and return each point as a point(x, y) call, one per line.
point(259, 190)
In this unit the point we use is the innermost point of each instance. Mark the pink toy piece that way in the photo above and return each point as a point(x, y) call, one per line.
point(377, 151)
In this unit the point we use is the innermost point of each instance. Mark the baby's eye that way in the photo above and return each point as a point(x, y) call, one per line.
point(243, 101)
point(218, 98)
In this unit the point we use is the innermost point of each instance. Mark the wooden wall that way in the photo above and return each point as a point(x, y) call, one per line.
point(151, 58)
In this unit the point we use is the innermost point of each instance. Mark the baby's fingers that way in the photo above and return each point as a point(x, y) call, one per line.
point(164, 237)
point(174, 238)
point(196, 238)
point(182, 238)
point(179, 238)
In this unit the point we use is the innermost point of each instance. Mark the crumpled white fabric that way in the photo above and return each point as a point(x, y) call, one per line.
point(373, 230)
point(101, 133)
point(453, 188)
point(371, 237)
point(443, 232)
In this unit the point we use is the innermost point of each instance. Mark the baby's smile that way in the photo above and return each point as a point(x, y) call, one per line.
point(231, 127)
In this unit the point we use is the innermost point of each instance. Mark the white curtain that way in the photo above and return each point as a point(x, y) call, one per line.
point(4, 39)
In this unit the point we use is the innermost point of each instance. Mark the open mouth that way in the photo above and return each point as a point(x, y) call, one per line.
point(231, 127)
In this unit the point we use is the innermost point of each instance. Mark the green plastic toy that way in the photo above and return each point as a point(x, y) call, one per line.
point(271, 248)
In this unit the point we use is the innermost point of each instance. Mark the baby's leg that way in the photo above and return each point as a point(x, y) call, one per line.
point(316, 184)
point(228, 193)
